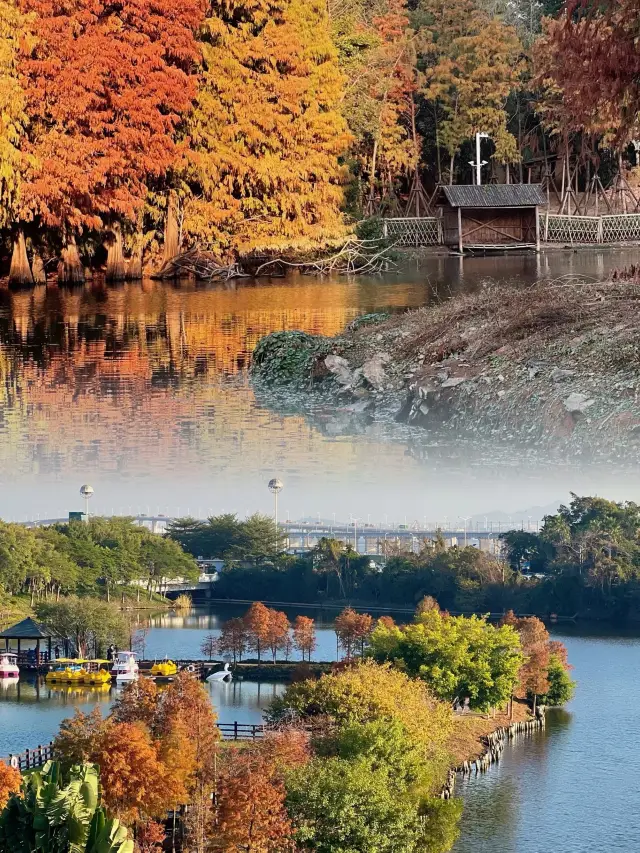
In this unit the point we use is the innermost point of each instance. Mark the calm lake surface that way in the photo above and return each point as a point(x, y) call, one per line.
point(143, 391)
point(568, 789)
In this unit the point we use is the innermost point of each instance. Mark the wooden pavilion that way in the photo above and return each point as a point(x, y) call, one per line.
point(27, 639)
point(491, 217)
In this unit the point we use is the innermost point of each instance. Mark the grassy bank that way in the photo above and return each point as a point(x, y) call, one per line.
point(470, 730)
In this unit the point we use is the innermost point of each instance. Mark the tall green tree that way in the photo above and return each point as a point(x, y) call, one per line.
point(458, 657)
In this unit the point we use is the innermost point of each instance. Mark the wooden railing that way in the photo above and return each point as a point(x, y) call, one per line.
point(30, 759)
point(241, 731)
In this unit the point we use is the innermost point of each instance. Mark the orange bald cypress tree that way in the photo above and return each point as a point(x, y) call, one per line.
point(106, 85)
point(267, 132)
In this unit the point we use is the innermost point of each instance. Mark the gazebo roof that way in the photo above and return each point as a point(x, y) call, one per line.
point(495, 195)
point(28, 629)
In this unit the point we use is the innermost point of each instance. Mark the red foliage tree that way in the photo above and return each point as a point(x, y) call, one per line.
point(251, 812)
point(588, 62)
point(352, 629)
point(234, 638)
point(106, 84)
point(257, 620)
point(277, 631)
point(304, 635)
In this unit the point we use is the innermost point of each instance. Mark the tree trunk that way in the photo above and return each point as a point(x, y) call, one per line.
point(115, 256)
point(171, 229)
point(133, 267)
point(20, 272)
point(39, 273)
point(70, 270)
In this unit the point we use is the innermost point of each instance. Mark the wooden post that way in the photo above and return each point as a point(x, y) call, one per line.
point(460, 230)
point(537, 228)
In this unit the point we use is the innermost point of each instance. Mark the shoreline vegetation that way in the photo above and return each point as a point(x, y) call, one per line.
point(359, 758)
point(136, 139)
point(582, 565)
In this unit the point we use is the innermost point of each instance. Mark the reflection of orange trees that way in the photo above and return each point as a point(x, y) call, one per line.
point(133, 378)
point(188, 331)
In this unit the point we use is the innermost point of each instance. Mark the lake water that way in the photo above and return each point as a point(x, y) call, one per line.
point(143, 391)
point(567, 789)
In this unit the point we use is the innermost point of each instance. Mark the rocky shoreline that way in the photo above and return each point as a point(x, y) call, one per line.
point(555, 366)
point(494, 747)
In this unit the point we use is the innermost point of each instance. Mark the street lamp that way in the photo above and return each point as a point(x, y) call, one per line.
point(355, 533)
point(87, 492)
point(275, 486)
point(465, 518)
point(478, 164)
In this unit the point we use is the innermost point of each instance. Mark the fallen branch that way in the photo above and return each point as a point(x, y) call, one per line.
point(355, 257)
point(205, 266)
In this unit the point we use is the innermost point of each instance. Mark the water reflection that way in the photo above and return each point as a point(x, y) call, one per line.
point(143, 391)
point(31, 711)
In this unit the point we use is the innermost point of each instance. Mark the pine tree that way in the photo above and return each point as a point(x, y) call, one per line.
point(266, 130)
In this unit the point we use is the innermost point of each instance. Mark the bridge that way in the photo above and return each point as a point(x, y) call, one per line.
point(375, 540)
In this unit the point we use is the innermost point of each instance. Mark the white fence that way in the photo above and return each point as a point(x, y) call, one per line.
point(615, 228)
point(414, 231)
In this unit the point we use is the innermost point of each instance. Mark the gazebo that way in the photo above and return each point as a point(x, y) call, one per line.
point(27, 638)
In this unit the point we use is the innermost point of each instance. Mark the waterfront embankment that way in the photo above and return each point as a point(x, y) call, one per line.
point(553, 365)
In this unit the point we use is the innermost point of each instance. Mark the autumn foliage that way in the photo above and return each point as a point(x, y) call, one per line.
point(10, 781)
point(156, 750)
point(251, 812)
point(266, 130)
point(352, 630)
point(105, 85)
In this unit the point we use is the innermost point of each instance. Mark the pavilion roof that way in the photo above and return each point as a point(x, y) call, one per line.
point(28, 629)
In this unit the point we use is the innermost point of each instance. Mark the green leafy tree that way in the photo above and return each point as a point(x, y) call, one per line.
point(342, 806)
point(88, 624)
point(458, 657)
point(561, 686)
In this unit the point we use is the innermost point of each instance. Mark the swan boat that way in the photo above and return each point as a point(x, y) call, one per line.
point(221, 675)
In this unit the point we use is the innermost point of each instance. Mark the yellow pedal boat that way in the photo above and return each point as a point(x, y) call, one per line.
point(97, 672)
point(164, 669)
point(67, 671)
point(78, 671)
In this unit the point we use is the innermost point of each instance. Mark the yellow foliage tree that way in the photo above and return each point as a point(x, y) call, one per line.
point(367, 692)
point(266, 131)
point(12, 108)
point(472, 65)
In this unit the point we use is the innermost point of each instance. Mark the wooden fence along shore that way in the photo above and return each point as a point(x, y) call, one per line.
point(31, 759)
point(557, 229)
